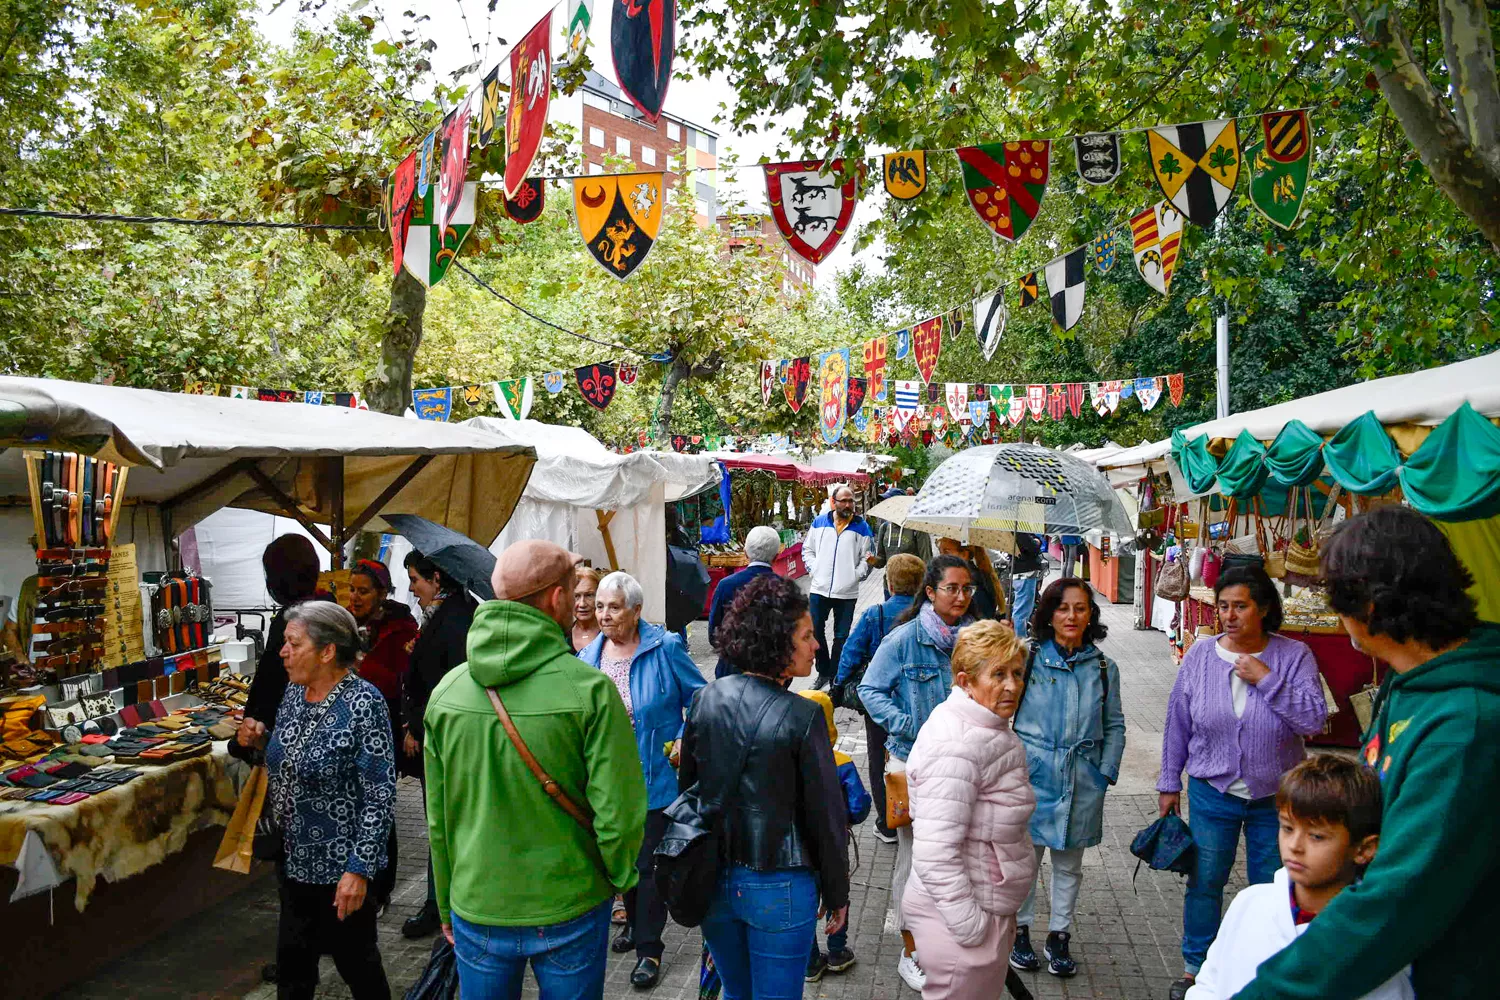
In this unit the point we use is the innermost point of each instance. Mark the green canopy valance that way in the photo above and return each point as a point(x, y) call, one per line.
point(1454, 475)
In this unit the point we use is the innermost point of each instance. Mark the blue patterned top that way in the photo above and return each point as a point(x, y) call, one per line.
point(342, 774)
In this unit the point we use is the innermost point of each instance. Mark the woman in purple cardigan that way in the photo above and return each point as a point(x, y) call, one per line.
point(1235, 720)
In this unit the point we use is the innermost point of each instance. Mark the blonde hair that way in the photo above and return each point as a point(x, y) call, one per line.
point(587, 573)
point(982, 643)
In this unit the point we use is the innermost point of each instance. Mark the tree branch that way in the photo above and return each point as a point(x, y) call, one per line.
point(1470, 53)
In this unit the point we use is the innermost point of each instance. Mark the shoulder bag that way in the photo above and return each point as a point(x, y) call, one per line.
point(687, 861)
point(549, 784)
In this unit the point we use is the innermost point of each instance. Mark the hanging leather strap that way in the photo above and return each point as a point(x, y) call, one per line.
point(549, 785)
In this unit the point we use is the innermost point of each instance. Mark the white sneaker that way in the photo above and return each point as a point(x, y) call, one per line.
point(911, 973)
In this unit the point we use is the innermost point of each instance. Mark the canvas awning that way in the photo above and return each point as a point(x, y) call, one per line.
point(323, 465)
point(786, 469)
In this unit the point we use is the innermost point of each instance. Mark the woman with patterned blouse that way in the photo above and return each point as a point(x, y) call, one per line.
point(333, 789)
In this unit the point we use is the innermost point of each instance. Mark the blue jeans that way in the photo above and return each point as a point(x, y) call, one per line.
point(568, 958)
point(842, 609)
point(1216, 819)
point(757, 930)
point(1024, 603)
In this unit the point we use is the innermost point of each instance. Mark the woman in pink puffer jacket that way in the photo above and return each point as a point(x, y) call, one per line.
point(971, 803)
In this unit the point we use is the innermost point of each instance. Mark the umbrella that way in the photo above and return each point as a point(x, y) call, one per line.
point(894, 510)
point(981, 496)
point(458, 556)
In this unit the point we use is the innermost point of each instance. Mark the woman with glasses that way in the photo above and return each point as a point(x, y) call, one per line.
point(1073, 727)
point(908, 678)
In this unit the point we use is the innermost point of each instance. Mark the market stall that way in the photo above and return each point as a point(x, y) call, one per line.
point(1127, 469)
point(1427, 439)
point(113, 750)
point(763, 489)
point(607, 507)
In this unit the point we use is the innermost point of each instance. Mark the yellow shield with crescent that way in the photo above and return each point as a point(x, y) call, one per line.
point(905, 174)
point(619, 217)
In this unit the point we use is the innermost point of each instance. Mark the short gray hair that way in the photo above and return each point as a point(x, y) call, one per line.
point(625, 585)
point(328, 624)
point(762, 544)
point(834, 493)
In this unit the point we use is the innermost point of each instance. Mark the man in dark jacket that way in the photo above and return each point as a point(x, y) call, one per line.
point(762, 546)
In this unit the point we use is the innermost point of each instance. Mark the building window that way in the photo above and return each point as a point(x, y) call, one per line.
point(622, 145)
point(596, 136)
point(703, 207)
point(648, 155)
point(674, 131)
point(596, 100)
point(705, 142)
point(596, 168)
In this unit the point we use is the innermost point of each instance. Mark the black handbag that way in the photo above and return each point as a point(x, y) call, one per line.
point(686, 863)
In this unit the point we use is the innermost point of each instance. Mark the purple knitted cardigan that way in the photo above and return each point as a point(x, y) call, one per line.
point(1203, 734)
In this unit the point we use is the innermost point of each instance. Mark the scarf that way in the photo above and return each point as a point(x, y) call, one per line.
point(943, 634)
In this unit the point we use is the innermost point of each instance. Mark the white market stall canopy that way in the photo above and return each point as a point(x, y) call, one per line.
point(191, 455)
point(1126, 466)
point(851, 461)
point(1424, 398)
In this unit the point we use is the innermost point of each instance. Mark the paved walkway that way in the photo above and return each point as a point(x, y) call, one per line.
point(1125, 938)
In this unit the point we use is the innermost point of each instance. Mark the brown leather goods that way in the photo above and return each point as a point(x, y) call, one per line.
point(551, 787)
point(897, 800)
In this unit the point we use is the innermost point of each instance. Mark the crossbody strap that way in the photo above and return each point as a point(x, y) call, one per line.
point(548, 783)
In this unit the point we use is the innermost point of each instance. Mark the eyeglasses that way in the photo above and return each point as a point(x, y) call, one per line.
point(953, 589)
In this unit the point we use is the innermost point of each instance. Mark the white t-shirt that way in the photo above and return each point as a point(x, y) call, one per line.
point(1239, 694)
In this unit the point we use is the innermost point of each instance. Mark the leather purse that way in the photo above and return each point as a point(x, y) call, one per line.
point(897, 800)
point(549, 785)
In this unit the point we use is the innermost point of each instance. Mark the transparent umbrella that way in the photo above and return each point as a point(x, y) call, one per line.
point(981, 496)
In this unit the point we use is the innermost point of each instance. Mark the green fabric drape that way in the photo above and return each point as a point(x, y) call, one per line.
point(1362, 457)
point(1455, 474)
point(1295, 458)
point(1196, 462)
point(1242, 473)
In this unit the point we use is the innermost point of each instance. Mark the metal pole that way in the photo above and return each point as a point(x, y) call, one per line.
point(1221, 323)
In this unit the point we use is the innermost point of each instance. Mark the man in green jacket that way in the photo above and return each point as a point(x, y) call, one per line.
point(1431, 897)
point(517, 877)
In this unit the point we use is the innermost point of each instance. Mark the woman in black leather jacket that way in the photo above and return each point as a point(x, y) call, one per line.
point(785, 832)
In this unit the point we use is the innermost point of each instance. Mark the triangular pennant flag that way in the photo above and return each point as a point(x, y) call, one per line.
point(855, 397)
point(1279, 166)
point(905, 173)
point(874, 361)
point(1196, 166)
point(908, 398)
point(1112, 390)
point(473, 395)
point(1006, 183)
point(455, 165)
point(1036, 400)
point(1105, 252)
point(1030, 291)
point(597, 383)
point(1127, 388)
point(1096, 398)
point(934, 393)
point(1065, 286)
point(1175, 387)
point(1017, 409)
point(400, 188)
point(958, 400)
point(679, 442)
point(429, 252)
point(903, 344)
point(513, 397)
point(799, 373)
point(767, 381)
point(530, 90)
point(312, 398)
point(240, 392)
point(1157, 237)
point(554, 382)
point(1098, 156)
point(489, 107)
point(580, 16)
point(643, 39)
point(619, 217)
point(811, 209)
point(628, 374)
point(833, 383)
point(979, 412)
point(1148, 391)
point(927, 343)
point(1057, 401)
point(432, 404)
point(345, 399)
point(990, 315)
point(1075, 398)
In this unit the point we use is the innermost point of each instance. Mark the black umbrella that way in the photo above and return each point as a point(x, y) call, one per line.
point(458, 556)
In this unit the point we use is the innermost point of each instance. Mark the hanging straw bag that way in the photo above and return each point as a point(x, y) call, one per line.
point(1363, 700)
point(1304, 547)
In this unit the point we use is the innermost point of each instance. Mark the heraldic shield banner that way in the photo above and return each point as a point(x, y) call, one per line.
point(833, 383)
point(619, 218)
point(812, 209)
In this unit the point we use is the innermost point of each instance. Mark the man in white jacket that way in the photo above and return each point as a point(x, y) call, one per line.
point(1330, 829)
point(838, 550)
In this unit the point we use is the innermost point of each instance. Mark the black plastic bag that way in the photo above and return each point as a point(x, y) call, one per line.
point(1166, 845)
point(439, 981)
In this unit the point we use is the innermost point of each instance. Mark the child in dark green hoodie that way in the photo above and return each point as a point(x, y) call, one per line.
point(1431, 897)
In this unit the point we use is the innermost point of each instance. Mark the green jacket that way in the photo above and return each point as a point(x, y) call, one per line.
point(1431, 897)
point(503, 853)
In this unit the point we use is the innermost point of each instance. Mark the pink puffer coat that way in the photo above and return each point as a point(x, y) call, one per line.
point(971, 802)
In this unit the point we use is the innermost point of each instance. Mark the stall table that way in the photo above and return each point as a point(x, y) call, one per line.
point(1345, 668)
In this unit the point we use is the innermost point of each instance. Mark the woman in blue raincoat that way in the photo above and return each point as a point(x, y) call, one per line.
point(1073, 727)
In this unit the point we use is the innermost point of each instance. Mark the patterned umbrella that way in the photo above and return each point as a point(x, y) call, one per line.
point(983, 495)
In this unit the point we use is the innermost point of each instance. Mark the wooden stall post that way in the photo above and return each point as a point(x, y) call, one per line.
point(604, 517)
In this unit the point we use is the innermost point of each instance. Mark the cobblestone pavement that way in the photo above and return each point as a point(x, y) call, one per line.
point(1126, 932)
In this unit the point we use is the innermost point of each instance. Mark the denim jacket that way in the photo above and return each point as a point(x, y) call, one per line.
point(908, 678)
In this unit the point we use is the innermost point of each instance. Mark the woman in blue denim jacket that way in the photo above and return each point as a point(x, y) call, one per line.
point(908, 678)
point(657, 680)
point(1073, 727)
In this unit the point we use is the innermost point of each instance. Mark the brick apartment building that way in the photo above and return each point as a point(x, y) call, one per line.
point(760, 231)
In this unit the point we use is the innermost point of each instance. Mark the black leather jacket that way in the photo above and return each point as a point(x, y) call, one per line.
point(787, 808)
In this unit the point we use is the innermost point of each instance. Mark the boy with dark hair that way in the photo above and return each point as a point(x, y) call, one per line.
point(1330, 829)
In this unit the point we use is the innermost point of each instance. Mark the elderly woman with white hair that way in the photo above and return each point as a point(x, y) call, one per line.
point(657, 680)
point(331, 761)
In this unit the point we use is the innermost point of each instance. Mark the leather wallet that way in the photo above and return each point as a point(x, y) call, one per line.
point(130, 715)
point(178, 683)
point(158, 710)
point(68, 798)
point(119, 777)
point(45, 795)
point(111, 679)
point(95, 787)
point(143, 690)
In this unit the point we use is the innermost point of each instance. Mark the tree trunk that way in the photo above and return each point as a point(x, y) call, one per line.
point(678, 371)
point(1461, 154)
point(390, 390)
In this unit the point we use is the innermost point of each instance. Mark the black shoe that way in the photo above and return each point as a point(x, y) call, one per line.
point(1022, 956)
point(647, 972)
point(268, 972)
point(816, 966)
point(1180, 988)
point(1059, 962)
point(623, 942)
point(821, 683)
point(841, 961)
point(424, 923)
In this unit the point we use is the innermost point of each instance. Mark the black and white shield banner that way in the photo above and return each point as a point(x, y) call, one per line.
point(1065, 287)
point(1098, 156)
point(990, 315)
